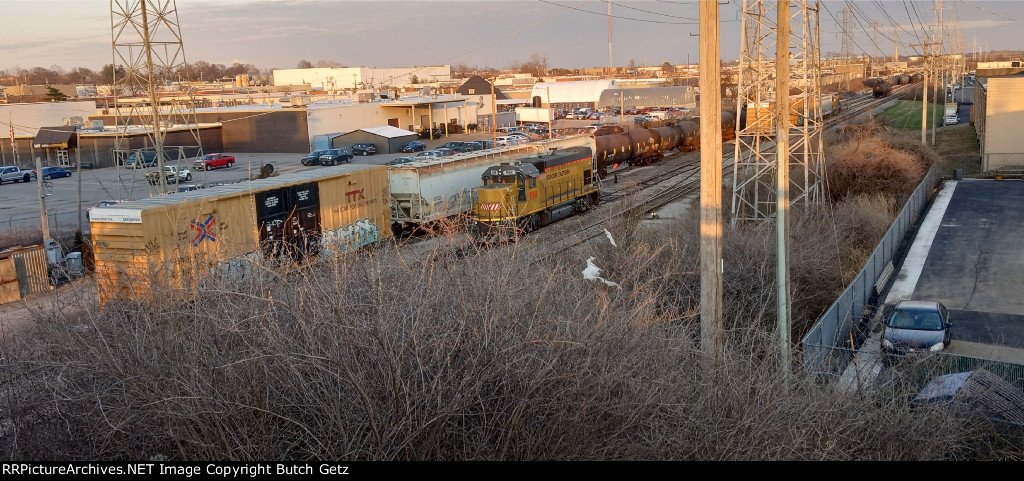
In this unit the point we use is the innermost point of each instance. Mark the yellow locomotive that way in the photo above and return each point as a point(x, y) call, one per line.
point(522, 195)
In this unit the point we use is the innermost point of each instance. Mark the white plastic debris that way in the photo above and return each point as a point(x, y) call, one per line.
point(610, 239)
point(593, 272)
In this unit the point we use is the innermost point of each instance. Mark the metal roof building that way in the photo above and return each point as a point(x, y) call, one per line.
point(388, 139)
point(648, 97)
point(583, 93)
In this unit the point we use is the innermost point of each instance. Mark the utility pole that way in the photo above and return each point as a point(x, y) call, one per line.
point(711, 325)
point(146, 41)
point(847, 15)
point(754, 164)
point(44, 218)
point(78, 172)
point(924, 89)
point(610, 68)
point(494, 118)
point(782, 186)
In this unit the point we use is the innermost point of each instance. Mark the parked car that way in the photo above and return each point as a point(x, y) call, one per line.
point(524, 137)
point(414, 146)
point(916, 326)
point(213, 161)
point(443, 152)
point(53, 173)
point(312, 158)
point(401, 160)
point(364, 149)
point(484, 144)
point(432, 134)
point(11, 173)
point(148, 160)
point(426, 154)
point(335, 156)
point(506, 141)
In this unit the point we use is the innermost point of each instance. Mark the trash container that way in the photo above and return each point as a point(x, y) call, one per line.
point(54, 254)
point(74, 263)
point(958, 174)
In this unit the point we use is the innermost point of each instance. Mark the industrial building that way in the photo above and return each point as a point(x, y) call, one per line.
point(568, 95)
point(998, 114)
point(356, 78)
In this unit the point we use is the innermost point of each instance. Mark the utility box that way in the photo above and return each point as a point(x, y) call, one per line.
point(54, 254)
point(74, 263)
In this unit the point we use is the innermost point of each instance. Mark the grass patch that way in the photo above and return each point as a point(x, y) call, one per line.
point(906, 114)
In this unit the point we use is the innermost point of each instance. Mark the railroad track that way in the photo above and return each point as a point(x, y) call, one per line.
point(687, 184)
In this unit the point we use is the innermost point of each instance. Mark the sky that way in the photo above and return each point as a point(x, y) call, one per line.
point(484, 33)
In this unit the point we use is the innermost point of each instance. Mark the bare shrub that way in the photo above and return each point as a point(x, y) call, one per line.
point(868, 164)
point(455, 353)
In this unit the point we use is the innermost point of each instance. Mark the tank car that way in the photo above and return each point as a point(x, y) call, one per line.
point(881, 90)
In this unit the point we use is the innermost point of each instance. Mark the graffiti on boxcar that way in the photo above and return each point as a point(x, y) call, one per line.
point(354, 235)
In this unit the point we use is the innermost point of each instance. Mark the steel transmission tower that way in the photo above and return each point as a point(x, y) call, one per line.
point(754, 166)
point(148, 52)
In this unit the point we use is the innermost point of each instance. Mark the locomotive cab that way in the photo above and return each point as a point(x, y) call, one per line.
point(522, 195)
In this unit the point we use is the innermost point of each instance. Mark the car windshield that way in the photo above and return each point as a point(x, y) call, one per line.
point(916, 319)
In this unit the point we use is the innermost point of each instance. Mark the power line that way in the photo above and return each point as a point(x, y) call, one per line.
point(653, 13)
point(983, 9)
point(623, 18)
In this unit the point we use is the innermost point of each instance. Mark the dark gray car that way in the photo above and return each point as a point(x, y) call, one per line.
point(915, 327)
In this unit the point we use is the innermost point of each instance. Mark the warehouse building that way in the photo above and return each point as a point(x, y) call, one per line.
point(569, 95)
point(355, 78)
point(998, 115)
point(388, 139)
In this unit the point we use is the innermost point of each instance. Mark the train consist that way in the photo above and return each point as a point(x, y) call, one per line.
point(641, 146)
point(522, 195)
point(882, 86)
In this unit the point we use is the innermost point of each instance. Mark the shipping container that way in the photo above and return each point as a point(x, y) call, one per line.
point(176, 238)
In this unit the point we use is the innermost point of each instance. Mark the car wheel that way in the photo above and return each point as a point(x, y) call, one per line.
point(27, 178)
point(188, 177)
point(69, 174)
point(231, 164)
point(208, 168)
point(45, 177)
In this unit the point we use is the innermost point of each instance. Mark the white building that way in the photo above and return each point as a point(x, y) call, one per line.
point(355, 78)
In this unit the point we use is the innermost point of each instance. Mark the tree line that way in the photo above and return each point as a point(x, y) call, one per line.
point(56, 75)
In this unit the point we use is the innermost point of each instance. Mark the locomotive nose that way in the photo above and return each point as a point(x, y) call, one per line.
point(493, 202)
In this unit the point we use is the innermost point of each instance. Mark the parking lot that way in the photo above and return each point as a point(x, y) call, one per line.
point(21, 201)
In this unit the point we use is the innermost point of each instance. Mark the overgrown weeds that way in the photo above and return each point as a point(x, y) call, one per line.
point(487, 356)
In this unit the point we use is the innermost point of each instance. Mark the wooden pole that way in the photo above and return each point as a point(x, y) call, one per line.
point(494, 116)
point(782, 185)
point(711, 326)
point(44, 218)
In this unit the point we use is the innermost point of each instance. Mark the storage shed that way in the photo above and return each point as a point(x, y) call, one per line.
point(388, 139)
point(170, 240)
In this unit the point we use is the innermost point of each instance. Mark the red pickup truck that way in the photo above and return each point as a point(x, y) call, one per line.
point(213, 161)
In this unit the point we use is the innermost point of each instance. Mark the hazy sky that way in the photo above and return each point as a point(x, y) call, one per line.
point(494, 33)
